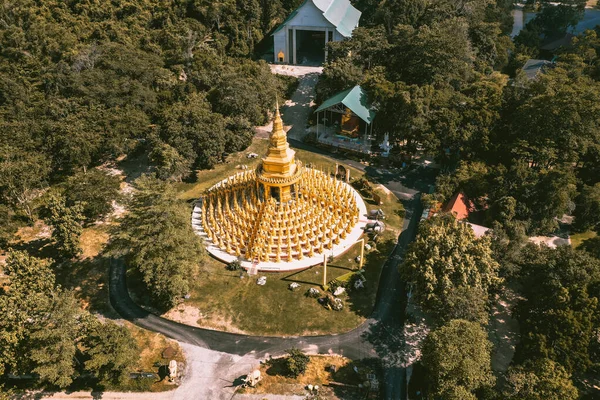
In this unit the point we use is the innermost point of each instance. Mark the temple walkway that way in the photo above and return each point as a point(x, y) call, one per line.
point(297, 111)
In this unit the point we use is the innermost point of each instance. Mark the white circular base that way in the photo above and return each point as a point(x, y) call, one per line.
point(283, 266)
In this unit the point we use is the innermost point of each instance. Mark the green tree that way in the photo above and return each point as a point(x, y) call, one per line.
point(111, 349)
point(437, 52)
point(95, 189)
point(539, 380)
point(449, 267)
point(457, 359)
point(551, 121)
point(195, 131)
point(337, 76)
point(52, 340)
point(31, 283)
point(157, 239)
point(591, 246)
point(66, 224)
point(559, 316)
point(38, 322)
point(23, 175)
point(168, 163)
point(587, 208)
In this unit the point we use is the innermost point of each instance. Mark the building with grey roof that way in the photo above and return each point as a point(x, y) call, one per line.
point(303, 36)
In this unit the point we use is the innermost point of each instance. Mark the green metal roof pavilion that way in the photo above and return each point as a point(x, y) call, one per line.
point(355, 99)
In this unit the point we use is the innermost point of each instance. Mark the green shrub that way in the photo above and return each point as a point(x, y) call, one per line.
point(235, 265)
point(296, 363)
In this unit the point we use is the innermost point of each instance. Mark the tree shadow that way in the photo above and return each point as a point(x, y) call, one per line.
point(290, 278)
point(277, 367)
point(88, 279)
point(239, 381)
point(414, 177)
point(40, 248)
point(417, 387)
point(361, 301)
point(163, 372)
point(387, 341)
point(350, 379)
point(134, 166)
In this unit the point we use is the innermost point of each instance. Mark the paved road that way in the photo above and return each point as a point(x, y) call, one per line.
point(375, 337)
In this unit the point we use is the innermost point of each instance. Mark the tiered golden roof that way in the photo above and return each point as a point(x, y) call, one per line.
point(280, 212)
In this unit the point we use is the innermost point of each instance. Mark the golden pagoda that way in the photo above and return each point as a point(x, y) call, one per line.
point(280, 212)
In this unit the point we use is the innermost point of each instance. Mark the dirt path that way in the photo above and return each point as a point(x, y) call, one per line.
point(503, 330)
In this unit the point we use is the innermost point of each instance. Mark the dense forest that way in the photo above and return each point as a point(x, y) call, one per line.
point(445, 78)
point(82, 83)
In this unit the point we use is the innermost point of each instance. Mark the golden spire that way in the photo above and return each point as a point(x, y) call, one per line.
point(280, 160)
point(278, 136)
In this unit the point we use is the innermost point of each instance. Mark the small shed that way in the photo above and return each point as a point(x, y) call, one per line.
point(303, 36)
point(346, 120)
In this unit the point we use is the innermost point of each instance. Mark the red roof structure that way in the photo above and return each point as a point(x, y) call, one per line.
point(459, 206)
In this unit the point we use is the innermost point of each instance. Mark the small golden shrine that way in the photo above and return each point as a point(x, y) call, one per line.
point(281, 211)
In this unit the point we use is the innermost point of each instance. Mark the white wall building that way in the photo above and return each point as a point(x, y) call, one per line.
point(303, 36)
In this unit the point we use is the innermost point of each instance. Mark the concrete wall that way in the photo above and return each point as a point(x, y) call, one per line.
point(280, 40)
point(310, 18)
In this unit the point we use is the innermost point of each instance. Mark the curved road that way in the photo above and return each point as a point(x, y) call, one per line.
point(377, 337)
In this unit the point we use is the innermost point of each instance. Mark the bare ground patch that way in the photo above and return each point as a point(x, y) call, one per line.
point(503, 329)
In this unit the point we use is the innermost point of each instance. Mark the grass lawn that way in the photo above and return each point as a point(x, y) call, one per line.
point(223, 300)
point(319, 373)
point(579, 238)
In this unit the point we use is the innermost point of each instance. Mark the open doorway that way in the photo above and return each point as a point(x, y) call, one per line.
point(310, 47)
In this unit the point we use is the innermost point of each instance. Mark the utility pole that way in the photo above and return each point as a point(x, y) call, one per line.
point(324, 270)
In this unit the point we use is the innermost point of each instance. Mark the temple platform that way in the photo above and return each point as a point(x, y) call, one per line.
point(285, 266)
point(328, 135)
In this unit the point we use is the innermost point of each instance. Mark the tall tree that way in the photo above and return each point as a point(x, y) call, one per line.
point(158, 240)
point(38, 322)
point(66, 224)
point(52, 341)
point(587, 208)
point(445, 263)
point(559, 316)
point(539, 380)
point(111, 349)
point(23, 175)
point(31, 283)
point(95, 190)
point(456, 357)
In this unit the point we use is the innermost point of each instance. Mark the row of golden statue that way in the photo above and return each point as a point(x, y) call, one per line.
point(241, 218)
point(282, 211)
